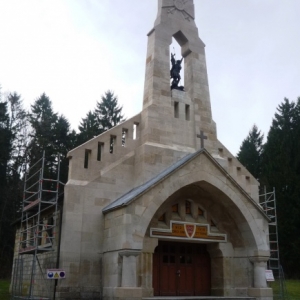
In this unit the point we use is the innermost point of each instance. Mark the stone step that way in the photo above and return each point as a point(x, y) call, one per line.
point(198, 298)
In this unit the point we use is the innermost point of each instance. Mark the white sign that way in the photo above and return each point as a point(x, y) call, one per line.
point(269, 275)
point(56, 274)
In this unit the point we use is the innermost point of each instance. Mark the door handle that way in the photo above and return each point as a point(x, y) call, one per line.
point(178, 273)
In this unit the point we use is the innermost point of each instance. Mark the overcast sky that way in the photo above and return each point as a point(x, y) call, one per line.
point(75, 50)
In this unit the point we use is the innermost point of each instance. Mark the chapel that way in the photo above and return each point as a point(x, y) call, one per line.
point(157, 206)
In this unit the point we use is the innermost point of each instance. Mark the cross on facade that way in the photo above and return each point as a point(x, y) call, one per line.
point(202, 138)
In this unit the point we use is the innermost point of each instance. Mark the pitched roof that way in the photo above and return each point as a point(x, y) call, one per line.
point(130, 196)
point(127, 198)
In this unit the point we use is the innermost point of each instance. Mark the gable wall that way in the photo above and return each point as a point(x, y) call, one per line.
point(128, 228)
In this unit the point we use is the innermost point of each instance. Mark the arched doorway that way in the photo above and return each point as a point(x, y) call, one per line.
point(181, 269)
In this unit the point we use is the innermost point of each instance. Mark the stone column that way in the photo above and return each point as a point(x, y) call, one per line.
point(260, 265)
point(129, 267)
point(260, 290)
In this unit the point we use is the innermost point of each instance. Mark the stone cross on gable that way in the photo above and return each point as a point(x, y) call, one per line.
point(202, 138)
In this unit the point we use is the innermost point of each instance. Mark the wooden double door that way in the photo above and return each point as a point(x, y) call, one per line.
point(181, 269)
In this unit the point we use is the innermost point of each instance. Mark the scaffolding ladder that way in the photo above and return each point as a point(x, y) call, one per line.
point(268, 202)
point(37, 234)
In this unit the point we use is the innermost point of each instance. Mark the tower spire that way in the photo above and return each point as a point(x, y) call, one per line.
point(175, 19)
point(176, 9)
point(172, 119)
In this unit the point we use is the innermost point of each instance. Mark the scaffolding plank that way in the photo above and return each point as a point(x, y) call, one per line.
point(32, 204)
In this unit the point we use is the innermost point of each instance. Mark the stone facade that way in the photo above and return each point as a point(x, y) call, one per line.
point(114, 198)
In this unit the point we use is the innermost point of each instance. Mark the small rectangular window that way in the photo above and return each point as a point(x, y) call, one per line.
point(176, 109)
point(86, 158)
point(187, 112)
point(135, 130)
point(112, 143)
point(99, 151)
point(124, 136)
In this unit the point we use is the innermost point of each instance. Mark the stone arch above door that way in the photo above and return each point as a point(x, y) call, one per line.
point(199, 179)
point(204, 180)
point(183, 217)
point(208, 206)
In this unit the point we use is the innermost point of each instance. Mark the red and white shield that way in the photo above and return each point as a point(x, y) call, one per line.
point(190, 230)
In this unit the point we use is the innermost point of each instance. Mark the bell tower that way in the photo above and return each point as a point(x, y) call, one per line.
point(175, 119)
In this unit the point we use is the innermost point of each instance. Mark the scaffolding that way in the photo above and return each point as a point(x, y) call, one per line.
point(38, 234)
point(268, 202)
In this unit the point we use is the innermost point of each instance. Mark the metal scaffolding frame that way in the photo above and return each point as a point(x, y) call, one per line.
point(37, 236)
point(268, 202)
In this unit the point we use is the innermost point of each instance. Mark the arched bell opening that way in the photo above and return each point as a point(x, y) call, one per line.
point(177, 58)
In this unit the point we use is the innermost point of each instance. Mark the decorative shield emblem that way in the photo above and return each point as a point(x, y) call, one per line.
point(190, 230)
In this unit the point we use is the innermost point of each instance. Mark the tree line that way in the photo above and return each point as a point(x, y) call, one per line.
point(24, 136)
point(276, 164)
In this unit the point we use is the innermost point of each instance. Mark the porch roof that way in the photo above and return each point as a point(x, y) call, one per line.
point(127, 198)
point(133, 194)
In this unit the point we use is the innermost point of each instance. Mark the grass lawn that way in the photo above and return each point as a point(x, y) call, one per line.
point(292, 286)
point(4, 288)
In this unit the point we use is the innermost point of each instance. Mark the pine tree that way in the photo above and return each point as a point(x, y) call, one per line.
point(251, 151)
point(5, 142)
point(64, 141)
point(281, 170)
point(43, 121)
point(280, 148)
point(50, 133)
point(108, 112)
point(106, 115)
point(7, 212)
point(19, 127)
point(88, 128)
